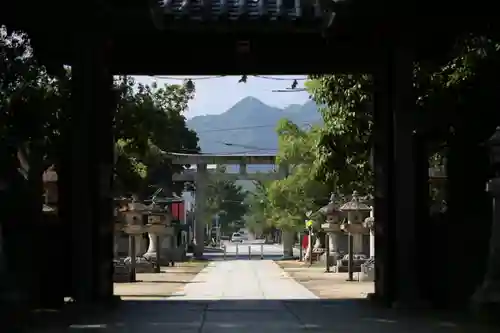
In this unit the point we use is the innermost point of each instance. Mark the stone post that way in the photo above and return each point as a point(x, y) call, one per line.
point(200, 211)
point(369, 224)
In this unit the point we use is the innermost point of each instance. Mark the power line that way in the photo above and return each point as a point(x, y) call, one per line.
point(230, 144)
point(246, 127)
point(225, 153)
point(187, 78)
point(274, 78)
point(280, 78)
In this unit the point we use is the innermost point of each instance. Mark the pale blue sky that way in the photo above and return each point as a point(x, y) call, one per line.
point(216, 95)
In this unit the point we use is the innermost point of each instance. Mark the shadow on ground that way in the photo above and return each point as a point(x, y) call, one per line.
point(265, 316)
point(169, 281)
point(243, 256)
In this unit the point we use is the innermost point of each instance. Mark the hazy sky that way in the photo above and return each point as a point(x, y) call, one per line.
point(216, 95)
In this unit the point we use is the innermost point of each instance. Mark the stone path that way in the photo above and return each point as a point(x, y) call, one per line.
point(254, 296)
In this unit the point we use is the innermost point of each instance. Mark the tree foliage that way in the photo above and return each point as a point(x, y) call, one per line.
point(226, 199)
point(337, 155)
point(284, 203)
point(149, 121)
point(342, 153)
point(258, 219)
point(445, 93)
point(34, 106)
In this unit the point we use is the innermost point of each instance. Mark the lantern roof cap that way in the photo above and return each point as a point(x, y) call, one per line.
point(355, 205)
point(330, 208)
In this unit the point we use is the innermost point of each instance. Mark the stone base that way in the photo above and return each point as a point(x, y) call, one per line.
point(167, 256)
point(121, 271)
point(485, 302)
point(331, 259)
point(142, 265)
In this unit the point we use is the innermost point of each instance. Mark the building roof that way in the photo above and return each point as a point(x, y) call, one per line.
point(243, 10)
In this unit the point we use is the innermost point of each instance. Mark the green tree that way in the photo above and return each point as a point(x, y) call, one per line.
point(150, 121)
point(257, 219)
point(342, 153)
point(227, 199)
point(34, 106)
point(284, 203)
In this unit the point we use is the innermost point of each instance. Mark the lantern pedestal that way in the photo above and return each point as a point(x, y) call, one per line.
point(136, 263)
point(486, 300)
point(357, 231)
point(333, 232)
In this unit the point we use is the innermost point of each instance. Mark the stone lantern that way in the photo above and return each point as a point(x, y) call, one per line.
point(355, 210)
point(487, 297)
point(332, 223)
point(355, 228)
point(159, 221)
point(135, 229)
point(369, 224)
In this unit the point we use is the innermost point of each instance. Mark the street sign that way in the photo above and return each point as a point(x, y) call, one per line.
point(309, 223)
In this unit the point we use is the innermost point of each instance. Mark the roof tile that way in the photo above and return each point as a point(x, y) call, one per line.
point(213, 10)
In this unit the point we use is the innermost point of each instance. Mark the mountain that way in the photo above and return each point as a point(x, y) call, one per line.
point(249, 126)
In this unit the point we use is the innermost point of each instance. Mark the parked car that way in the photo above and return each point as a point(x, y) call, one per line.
point(237, 237)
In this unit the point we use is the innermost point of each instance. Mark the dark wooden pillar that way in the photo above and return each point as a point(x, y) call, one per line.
point(400, 175)
point(405, 176)
point(91, 168)
point(424, 230)
point(466, 235)
point(383, 170)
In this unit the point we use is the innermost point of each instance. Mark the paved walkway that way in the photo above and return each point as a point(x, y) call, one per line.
point(253, 296)
point(243, 280)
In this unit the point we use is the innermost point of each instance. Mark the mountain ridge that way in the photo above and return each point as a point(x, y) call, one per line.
point(249, 126)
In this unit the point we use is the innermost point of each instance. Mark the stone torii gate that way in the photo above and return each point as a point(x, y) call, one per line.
point(201, 176)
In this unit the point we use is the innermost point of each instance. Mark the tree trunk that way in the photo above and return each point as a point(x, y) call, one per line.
point(287, 238)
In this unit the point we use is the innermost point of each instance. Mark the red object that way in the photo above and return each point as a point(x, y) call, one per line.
point(305, 241)
point(177, 210)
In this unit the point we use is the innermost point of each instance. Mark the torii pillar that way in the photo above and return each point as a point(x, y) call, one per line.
point(200, 210)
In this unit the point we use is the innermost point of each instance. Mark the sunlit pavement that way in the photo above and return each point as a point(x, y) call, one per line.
point(253, 296)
